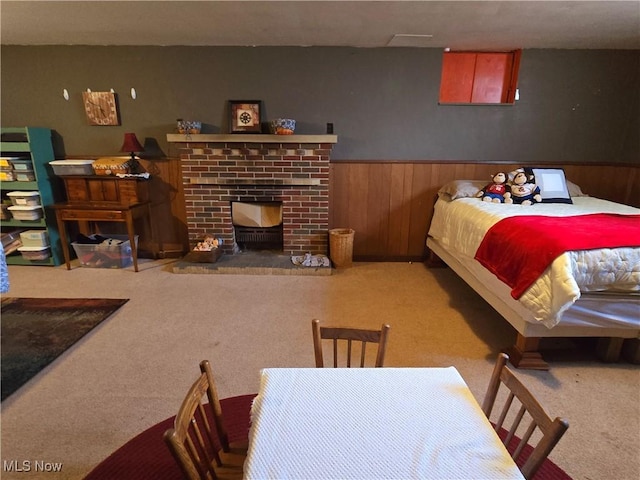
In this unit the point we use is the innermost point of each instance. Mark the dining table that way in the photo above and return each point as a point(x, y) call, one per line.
point(371, 423)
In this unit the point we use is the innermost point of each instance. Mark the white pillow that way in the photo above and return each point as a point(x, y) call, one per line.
point(469, 188)
point(461, 189)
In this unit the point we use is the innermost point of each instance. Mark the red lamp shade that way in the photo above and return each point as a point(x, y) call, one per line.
point(131, 144)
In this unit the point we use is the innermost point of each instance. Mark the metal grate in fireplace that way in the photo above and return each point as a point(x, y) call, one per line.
point(258, 234)
point(259, 238)
point(258, 225)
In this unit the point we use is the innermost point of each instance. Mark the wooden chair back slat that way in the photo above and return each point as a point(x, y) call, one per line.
point(198, 440)
point(349, 335)
point(550, 429)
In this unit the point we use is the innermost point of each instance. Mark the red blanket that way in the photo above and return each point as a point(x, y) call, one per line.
point(519, 249)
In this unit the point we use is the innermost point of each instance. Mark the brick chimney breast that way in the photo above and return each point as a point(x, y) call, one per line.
point(220, 169)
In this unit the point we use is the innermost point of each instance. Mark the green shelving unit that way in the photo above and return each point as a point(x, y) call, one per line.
point(36, 144)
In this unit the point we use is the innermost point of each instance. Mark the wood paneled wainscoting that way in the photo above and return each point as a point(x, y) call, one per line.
point(389, 204)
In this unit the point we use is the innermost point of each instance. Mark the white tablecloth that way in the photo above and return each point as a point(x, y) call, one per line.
point(371, 423)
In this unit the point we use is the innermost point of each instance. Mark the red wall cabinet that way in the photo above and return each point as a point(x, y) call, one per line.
point(479, 77)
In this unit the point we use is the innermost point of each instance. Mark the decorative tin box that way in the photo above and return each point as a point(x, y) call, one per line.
point(111, 165)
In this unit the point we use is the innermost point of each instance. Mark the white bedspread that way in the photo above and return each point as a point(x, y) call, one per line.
point(461, 225)
point(371, 423)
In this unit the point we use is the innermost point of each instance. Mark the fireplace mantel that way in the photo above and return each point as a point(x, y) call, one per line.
point(254, 181)
point(248, 138)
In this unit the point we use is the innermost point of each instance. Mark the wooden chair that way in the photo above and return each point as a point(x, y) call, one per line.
point(528, 456)
point(349, 335)
point(198, 440)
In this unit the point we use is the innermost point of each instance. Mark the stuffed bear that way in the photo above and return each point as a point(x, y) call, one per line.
point(496, 190)
point(521, 191)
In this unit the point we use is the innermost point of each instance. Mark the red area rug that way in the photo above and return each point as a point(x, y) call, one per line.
point(548, 470)
point(147, 457)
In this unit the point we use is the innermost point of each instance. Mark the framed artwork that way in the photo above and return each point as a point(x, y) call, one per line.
point(101, 108)
point(245, 116)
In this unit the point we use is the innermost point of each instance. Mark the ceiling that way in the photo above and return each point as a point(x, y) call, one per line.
point(481, 25)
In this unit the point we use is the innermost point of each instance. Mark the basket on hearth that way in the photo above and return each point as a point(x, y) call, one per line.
point(206, 251)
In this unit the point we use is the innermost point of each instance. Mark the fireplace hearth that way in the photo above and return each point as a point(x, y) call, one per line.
point(251, 263)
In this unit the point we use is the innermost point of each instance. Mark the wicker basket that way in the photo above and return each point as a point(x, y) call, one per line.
point(341, 247)
point(203, 256)
point(111, 165)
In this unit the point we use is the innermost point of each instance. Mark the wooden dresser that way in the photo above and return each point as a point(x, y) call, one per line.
point(107, 189)
point(99, 198)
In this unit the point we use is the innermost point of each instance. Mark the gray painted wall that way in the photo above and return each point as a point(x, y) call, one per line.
point(575, 105)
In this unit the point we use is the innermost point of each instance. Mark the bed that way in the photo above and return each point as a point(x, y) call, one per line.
point(581, 293)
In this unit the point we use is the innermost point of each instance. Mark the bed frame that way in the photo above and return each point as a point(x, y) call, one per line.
point(524, 353)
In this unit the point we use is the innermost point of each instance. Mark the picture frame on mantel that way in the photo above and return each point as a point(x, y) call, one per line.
point(245, 116)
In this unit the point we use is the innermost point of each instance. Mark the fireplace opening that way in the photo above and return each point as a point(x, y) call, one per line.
point(257, 225)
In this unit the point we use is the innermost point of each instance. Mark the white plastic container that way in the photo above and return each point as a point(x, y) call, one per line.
point(72, 167)
point(35, 253)
point(24, 198)
point(34, 238)
point(22, 164)
point(24, 176)
point(23, 212)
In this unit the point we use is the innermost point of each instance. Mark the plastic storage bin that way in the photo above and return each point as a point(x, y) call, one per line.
point(6, 170)
point(24, 176)
point(23, 212)
point(21, 164)
point(11, 241)
point(72, 167)
point(6, 176)
point(35, 253)
point(24, 198)
point(34, 238)
point(115, 254)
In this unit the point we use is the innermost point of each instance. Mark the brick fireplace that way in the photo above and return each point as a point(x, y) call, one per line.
point(292, 170)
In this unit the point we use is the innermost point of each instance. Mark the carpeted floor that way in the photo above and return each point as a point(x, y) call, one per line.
point(35, 331)
point(132, 371)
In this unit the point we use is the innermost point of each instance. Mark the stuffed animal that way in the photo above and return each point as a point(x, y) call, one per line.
point(496, 190)
point(522, 191)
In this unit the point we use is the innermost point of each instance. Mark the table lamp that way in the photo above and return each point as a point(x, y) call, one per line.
point(132, 145)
